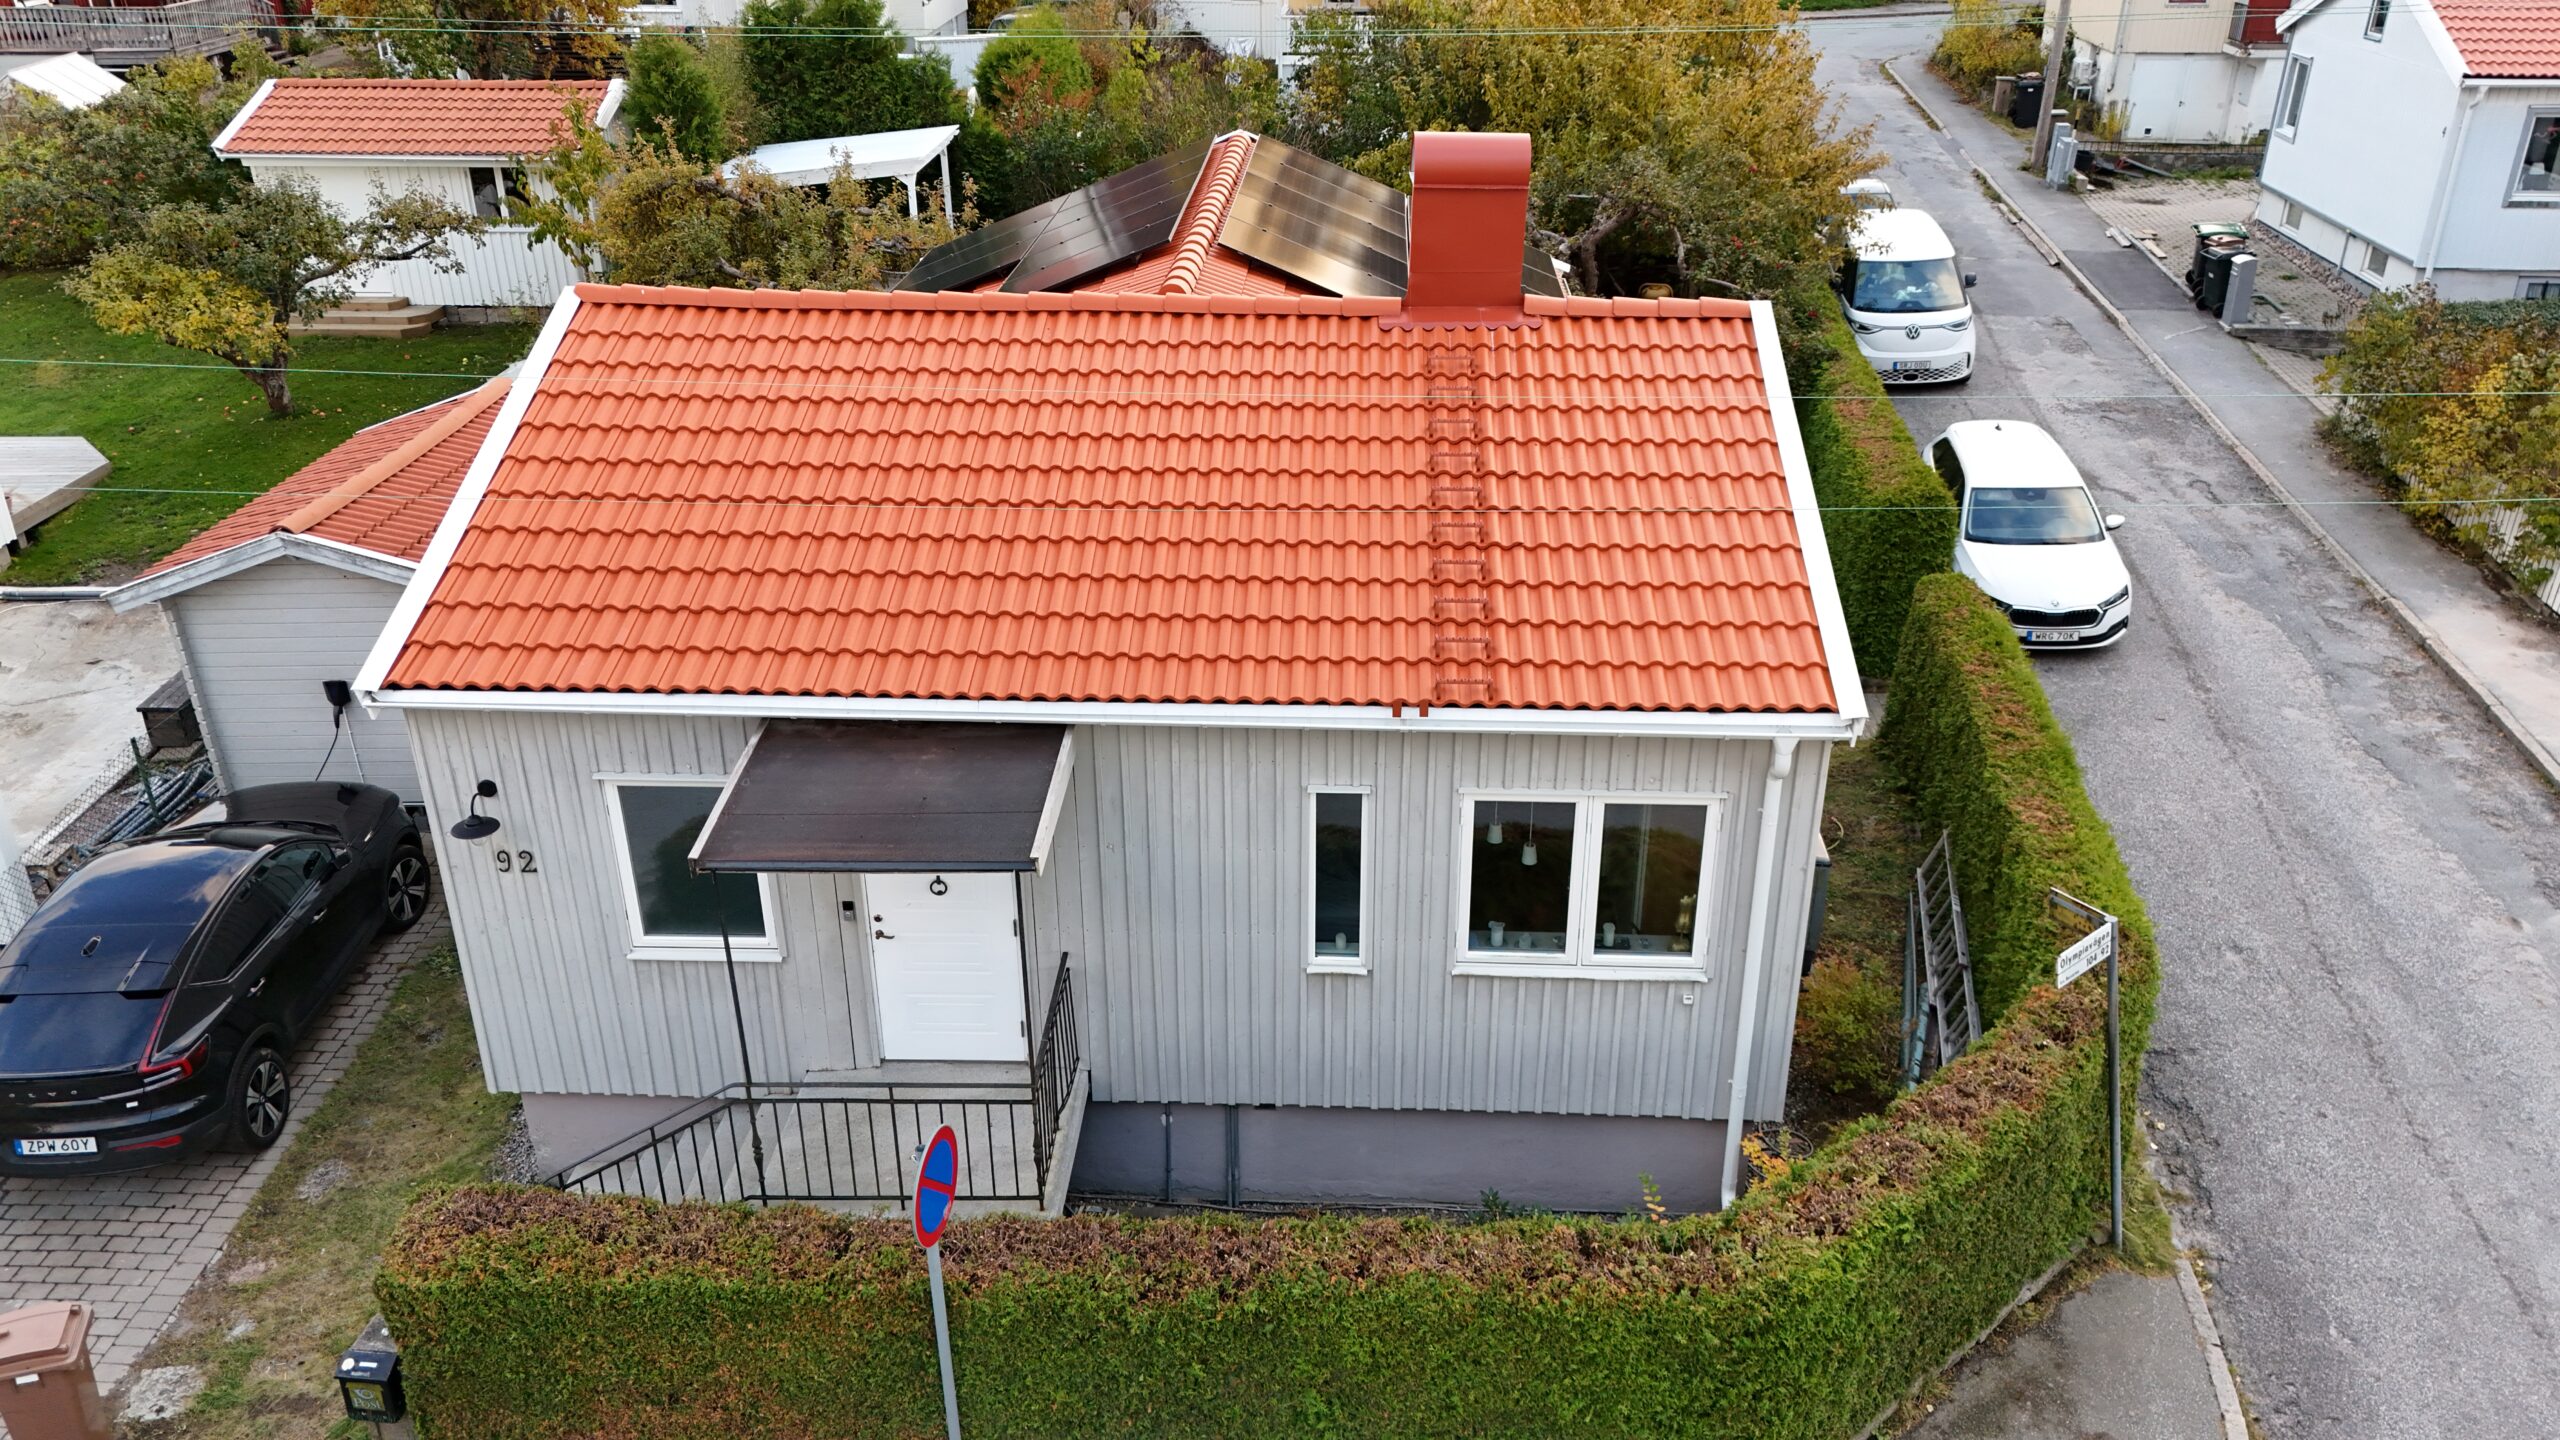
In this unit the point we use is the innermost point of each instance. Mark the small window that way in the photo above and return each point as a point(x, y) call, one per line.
point(2292, 215)
point(2539, 175)
point(1608, 886)
point(2377, 14)
point(2297, 85)
point(2377, 261)
point(1338, 867)
point(2539, 287)
point(496, 190)
point(668, 904)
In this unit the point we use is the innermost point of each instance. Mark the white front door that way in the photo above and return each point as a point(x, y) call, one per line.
point(948, 967)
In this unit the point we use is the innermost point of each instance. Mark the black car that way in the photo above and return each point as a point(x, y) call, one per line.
point(149, 1008)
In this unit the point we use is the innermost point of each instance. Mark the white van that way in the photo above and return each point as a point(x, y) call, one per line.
point(1905, 298)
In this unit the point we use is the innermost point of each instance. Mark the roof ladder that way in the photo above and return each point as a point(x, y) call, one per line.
point(1461, 511)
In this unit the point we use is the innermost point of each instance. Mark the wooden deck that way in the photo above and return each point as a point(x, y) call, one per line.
point(120, 37)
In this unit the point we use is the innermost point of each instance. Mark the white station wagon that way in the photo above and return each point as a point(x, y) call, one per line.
point(2033, 537)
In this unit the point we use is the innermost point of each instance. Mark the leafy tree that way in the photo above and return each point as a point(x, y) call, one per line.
point(672, 93)
point(832, 67)
point(1988, 38)
point(481, 39)
point(1036, 56)
point(647, 215)
point(228, 282)
point(69, 179)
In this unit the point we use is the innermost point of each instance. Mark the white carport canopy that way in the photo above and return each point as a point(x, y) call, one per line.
point(898, 155)
point(73, 81)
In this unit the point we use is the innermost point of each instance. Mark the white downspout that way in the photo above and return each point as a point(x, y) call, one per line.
point(1755, 954)
point(2445, 178)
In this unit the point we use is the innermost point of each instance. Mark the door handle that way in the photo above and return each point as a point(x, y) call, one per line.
point(261, 985)
point(882, 935)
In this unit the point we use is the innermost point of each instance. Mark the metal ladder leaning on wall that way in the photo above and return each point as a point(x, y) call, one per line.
point(1939, 1019)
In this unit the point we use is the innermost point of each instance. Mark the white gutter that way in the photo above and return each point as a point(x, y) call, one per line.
point(2444, 181)
point(1755, 956)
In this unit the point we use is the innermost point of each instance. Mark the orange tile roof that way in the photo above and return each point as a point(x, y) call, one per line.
point(410, 117)
point(1137, 498)
point(384, 489)
point(2504, 39)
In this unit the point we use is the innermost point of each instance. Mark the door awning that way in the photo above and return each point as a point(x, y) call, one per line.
point(844, 795)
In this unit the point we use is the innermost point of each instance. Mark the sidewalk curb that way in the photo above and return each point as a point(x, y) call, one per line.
point(2226, 1391)
point(2419, 630)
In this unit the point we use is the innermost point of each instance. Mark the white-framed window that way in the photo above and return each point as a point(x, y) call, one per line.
point(1599, 885)
point(2538, 287)
point(1339, 867)
point(2289, 96)
point(2377, 261)
point(496, 190)
point(2377, 13)
point(675, 914)
point(2292, 215)
point(2538, 172)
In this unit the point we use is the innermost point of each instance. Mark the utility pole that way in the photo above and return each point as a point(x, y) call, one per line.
point(2056, 46)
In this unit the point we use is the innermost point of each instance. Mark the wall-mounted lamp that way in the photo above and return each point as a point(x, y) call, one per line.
point(476, 826)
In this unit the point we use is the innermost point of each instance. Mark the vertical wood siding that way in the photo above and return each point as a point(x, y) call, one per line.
point(1176, 886)
point(505, 266)
point(257, 646)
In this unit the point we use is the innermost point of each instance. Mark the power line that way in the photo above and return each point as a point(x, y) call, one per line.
point(735, 385)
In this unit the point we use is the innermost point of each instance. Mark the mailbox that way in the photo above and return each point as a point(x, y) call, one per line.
point(369, 1376)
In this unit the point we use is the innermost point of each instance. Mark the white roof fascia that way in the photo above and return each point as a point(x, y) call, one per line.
point(221, 142)
point(466, 500)
point(1698, 724)
point(606, 109)
point(1846, 691)
point(253, 552)
point(2439, 39)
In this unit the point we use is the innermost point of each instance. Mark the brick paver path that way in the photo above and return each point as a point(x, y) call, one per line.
point(132, 1245)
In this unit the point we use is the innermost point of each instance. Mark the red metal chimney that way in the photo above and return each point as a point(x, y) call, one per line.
point(1467, 226)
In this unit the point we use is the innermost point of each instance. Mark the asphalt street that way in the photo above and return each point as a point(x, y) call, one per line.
point(2355, 878)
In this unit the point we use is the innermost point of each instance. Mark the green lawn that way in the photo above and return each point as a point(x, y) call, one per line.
point(296, 1282)
point(190, 445)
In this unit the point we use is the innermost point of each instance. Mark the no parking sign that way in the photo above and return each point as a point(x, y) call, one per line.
point(937, 1185)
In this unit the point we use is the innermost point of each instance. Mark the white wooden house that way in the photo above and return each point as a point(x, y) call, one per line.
point(1253, 702)
point(463, 141)
point(2419, 140)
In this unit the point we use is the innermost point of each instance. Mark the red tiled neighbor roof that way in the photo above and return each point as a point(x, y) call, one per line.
point(1103, 497)
point(2504, 39)
point(410, 117)
point(385, 489)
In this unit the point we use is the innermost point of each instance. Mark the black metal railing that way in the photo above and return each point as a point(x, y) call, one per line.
point(851, 1141)
point(1054, 1066)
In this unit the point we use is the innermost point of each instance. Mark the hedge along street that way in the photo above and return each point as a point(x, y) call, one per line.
point(2351, 863)
point(1807, 1310)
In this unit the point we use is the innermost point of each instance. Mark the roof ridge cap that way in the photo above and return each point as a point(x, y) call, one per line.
point(1207, 219)
point(463, 410)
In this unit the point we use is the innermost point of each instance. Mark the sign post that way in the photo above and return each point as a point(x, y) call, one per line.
point(937, 1181)
point(2081, 956)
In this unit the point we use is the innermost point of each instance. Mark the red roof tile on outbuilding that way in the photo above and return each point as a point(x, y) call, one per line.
point(2504, 39)
point(470, 118)
point(1090, 497)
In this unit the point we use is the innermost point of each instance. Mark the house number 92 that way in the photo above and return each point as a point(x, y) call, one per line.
point(517, 862)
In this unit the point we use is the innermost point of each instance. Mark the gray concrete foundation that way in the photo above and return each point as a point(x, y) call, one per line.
point(1286, 1155)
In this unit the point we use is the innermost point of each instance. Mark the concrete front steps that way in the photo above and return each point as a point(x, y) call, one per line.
point(384, 317)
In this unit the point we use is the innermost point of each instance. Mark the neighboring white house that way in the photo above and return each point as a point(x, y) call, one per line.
point(1285, 711)
point(2180, 71)
point(464, 141)
point(2419, 140)
point(74, 82)
point(285, 596)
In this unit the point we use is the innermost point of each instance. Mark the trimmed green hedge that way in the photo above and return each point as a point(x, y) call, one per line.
point(1804, 1311)
point(1970, 734)
point(1887, 515)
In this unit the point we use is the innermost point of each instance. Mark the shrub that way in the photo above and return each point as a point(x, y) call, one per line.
point(1804, 1310)
point(674, 97)
point(1984, 39)
point(1846, 1021)
point(1887, 516)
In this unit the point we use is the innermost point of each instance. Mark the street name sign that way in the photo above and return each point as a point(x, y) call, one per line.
point(2084, 955)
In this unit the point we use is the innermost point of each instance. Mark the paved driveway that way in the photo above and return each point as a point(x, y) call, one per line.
point(2355, 879)
point(131, 1245)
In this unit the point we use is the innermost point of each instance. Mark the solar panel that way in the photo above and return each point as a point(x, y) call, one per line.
point(1319, 222)
point(963, 261)
point(1110, 221)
